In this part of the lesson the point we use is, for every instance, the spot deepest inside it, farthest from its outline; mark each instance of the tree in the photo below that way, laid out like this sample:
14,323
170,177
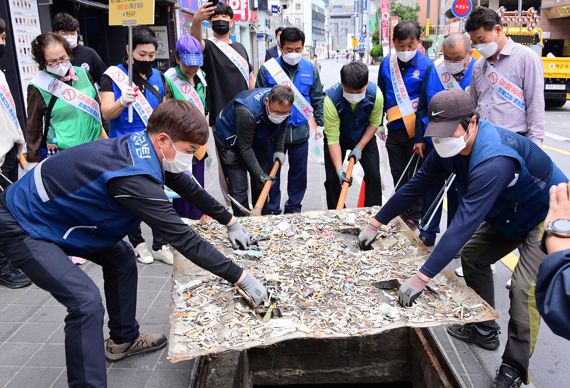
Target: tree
404,12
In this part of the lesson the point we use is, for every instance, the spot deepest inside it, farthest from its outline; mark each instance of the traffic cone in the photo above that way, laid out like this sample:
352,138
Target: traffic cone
362,194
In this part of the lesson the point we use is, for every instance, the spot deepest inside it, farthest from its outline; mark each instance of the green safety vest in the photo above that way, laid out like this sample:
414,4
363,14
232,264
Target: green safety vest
70,126
177,94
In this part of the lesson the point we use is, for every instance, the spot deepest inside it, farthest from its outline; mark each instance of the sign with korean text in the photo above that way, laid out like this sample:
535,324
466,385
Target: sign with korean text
461,8
131,12
385,23
241,9
276,9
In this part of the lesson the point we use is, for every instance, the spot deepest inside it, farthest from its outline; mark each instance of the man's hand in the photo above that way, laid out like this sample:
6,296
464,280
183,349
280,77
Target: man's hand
280,156
342,177
559,207
204,12
264,178
412,288
419,148
368,235
356,153
239,236
253,288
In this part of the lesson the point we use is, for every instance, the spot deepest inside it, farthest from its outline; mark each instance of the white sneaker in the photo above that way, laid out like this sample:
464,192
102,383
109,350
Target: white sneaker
509,283
493,268
143,254
459,271
164,254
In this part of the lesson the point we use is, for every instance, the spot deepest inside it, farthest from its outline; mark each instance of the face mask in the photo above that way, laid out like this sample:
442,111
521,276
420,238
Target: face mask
455,67
448,147
181,162
406,56
221,27
60,69
487,50
275,118
292,58
2,50
142,67
71,40
353,98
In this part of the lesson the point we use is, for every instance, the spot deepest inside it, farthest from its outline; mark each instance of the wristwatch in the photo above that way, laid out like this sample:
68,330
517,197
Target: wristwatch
559,227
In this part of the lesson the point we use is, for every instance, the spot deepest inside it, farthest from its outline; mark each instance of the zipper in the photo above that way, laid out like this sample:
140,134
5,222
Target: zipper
66,235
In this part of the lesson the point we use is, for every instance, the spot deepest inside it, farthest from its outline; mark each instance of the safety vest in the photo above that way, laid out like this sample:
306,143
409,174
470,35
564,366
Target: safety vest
120,126
413,79
56,203
265,132
524,204
177,93
352,123
70,126
304,80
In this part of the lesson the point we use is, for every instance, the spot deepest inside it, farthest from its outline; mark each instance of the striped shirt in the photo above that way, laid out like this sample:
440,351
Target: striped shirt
521,66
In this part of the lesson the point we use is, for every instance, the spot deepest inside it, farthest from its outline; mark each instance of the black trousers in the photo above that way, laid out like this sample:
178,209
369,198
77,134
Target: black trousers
370,162
400,147
10,171
136,238
49,267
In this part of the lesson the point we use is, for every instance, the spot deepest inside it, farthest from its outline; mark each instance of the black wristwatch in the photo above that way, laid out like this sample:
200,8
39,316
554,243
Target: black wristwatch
559,227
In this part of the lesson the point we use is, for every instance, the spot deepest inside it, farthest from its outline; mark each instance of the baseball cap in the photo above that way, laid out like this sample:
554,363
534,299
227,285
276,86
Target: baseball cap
189,50
446,110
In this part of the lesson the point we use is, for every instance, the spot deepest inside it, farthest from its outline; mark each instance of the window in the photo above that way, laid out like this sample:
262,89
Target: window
298,6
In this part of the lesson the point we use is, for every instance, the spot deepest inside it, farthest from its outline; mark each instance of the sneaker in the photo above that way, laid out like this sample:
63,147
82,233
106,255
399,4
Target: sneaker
77,260
145,343
12,277
428,242
470,334
164,254
507,377
143,254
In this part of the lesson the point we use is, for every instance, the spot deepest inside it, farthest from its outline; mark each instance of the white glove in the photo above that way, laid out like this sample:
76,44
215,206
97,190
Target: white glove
128,95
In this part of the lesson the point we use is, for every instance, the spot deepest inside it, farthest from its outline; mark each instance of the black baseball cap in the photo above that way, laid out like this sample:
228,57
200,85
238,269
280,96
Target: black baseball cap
446,110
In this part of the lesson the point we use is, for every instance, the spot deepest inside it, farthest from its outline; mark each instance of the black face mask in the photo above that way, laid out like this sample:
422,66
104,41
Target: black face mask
142,67
221,27
2,50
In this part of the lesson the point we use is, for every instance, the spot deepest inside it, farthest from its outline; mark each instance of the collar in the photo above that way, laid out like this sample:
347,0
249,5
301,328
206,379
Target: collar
508,49
180,74
288,66
413,61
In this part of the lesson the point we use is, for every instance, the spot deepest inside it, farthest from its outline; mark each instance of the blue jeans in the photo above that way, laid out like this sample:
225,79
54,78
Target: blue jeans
296,179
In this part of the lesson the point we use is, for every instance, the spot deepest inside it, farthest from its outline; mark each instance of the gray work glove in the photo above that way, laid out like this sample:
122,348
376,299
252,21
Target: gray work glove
357,153
253,288
367,236
264,177
342,177
410,290
280,156
239,236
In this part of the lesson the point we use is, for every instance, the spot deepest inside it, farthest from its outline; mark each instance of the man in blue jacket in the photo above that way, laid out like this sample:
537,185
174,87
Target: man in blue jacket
83,202
505,179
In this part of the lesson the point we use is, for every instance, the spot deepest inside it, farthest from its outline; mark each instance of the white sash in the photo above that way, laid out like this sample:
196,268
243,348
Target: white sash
185,88
446,78
505,88
7,102
400,92
281,78
141,104
68,94
233,56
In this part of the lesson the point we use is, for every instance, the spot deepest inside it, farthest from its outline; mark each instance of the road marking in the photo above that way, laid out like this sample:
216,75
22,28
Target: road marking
556,149
556,137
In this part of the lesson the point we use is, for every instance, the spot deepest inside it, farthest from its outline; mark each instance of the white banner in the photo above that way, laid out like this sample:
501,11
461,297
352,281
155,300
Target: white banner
7,102
505,88
186,88
447,79
141,104
400,91
233,56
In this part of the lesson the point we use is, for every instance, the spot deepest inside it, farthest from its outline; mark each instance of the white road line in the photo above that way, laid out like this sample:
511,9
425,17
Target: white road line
554,136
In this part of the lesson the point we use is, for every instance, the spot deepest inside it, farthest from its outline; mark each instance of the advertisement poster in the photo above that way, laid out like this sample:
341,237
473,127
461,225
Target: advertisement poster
241,9
26,26
385,25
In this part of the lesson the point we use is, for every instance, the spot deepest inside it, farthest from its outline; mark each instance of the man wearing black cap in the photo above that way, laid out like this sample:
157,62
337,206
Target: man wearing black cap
505,179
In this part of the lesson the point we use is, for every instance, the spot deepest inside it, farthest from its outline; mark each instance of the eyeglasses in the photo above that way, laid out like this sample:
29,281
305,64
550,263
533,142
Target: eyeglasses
54,62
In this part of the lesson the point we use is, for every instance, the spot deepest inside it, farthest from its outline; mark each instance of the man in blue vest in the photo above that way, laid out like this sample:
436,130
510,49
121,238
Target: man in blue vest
353,112
452,71
83,202
304,76
400,78
252,123
505,179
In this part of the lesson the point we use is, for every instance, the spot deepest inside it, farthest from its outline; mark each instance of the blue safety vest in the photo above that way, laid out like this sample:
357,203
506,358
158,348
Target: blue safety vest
524,204
65,199
120,126
304,79
254,101
352,124
413,79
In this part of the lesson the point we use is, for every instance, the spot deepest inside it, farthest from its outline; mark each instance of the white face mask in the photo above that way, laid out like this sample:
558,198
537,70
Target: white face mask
292,58
406,56
181,162
487,50
275,118
448,147
60,69
455,67
353,98
71,40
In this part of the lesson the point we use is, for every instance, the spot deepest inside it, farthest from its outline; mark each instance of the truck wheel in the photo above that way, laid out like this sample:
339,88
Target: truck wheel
558,103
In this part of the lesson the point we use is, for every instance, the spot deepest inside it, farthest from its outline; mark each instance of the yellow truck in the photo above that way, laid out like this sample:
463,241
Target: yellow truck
556,80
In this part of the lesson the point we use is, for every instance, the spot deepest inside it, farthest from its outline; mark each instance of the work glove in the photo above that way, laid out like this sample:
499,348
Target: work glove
280,156
410,290
128,95
264,177
342,177
367,236
357,153
253,288
239,236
